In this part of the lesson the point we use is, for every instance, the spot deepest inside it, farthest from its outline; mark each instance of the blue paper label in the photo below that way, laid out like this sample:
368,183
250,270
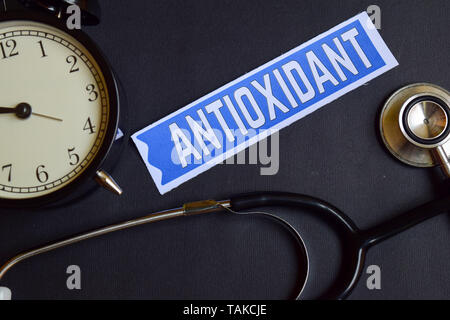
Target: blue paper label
226,121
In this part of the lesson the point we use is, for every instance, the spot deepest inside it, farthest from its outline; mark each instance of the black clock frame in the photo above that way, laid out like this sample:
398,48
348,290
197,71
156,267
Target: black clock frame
80,185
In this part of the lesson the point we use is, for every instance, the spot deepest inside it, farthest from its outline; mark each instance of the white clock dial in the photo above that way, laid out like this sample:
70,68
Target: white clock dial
47,71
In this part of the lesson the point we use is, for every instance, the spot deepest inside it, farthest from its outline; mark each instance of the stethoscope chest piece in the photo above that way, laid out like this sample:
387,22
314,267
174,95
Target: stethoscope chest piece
415,127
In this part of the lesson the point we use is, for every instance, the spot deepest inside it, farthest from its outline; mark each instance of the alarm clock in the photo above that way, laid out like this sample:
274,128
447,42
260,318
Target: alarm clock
59,108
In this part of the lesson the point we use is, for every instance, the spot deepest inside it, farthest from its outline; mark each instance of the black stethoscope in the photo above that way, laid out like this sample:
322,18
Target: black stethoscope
415,127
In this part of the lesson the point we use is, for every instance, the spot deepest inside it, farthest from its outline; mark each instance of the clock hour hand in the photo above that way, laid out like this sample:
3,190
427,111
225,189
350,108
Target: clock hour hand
4,110
24,111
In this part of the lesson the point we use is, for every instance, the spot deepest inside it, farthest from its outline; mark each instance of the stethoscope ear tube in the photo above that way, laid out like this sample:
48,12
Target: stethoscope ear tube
327,211
302,251
344,226
355,242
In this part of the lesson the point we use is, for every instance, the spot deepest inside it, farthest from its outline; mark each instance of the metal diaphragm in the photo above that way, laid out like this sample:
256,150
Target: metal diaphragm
414,121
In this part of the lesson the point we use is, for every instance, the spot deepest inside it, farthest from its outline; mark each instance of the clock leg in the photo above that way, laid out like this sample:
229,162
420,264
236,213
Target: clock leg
107,182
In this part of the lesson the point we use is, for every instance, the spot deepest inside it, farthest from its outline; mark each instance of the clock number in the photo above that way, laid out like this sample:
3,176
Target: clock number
74,158
73,60
10,44
89,127
42,49
93,94
8,166
41,175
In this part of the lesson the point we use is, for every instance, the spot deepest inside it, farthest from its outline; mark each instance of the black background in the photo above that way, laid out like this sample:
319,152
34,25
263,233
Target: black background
169,53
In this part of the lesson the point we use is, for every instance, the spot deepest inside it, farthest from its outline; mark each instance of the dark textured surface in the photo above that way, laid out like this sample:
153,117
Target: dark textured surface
169,53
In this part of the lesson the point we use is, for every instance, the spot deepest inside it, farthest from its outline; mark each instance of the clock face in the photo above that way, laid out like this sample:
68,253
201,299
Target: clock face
54,109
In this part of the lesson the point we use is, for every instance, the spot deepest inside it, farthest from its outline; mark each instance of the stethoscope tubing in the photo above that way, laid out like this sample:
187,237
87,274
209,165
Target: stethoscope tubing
356,242
200,207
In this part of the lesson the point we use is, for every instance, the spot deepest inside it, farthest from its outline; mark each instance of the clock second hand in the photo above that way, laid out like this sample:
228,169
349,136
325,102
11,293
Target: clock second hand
45,116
